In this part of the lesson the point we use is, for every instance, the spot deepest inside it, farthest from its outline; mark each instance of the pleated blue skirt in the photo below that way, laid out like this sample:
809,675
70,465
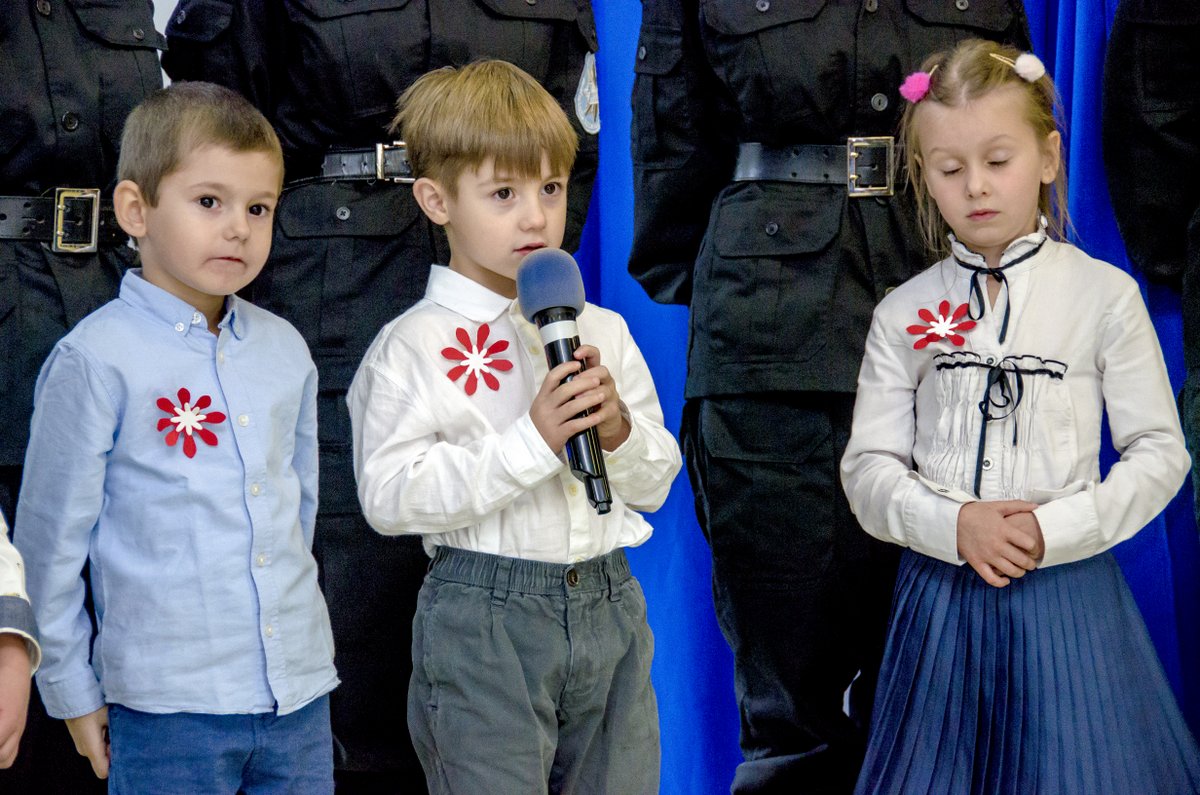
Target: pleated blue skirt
1049,685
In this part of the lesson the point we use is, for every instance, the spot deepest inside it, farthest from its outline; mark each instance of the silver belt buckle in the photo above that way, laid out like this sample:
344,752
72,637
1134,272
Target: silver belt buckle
853,147
380,150
58,243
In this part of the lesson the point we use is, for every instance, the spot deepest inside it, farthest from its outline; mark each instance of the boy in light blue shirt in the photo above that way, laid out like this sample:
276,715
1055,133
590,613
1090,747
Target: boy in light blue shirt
173,447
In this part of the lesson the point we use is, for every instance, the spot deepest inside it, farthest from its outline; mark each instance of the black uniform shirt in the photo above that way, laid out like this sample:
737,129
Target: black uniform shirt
782,289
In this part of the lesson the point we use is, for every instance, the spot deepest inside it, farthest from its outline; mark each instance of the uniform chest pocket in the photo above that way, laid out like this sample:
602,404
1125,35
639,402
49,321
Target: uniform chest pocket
355,57
547,38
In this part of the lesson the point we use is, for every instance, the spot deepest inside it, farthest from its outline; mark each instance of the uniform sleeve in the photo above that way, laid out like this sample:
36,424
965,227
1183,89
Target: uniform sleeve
412,481
1145,431
643,468
890,500
1151,135
16,615
682,145
72,432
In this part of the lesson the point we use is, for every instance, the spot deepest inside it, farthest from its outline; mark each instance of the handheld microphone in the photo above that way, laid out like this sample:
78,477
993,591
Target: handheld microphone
550,290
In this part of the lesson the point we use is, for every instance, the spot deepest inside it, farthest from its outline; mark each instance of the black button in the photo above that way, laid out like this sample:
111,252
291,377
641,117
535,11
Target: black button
70,122
763,5
879,102
872,6
642,53
139,34
43,7
182,15
342,213
962,5
771,228
572,577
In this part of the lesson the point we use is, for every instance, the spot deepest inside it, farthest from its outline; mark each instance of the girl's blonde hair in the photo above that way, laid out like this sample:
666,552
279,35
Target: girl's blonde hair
958,76
453,119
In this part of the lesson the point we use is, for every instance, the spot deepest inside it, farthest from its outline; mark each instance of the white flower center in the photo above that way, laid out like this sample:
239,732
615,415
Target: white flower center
943,326
478,361
187,419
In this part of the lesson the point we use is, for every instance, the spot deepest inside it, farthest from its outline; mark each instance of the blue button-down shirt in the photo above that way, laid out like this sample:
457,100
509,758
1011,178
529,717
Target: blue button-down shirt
183,466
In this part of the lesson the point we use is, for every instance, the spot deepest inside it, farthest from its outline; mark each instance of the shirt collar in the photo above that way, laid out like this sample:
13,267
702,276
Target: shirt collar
181,316
465,296
1016,249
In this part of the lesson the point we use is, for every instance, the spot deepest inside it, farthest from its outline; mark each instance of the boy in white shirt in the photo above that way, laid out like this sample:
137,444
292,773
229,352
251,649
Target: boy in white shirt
531,649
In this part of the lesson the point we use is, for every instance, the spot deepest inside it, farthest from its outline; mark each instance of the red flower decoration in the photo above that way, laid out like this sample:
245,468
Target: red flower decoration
187,420
476,359
943,325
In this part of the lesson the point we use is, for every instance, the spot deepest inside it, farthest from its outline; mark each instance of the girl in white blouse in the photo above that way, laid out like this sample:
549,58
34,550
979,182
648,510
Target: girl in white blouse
976,441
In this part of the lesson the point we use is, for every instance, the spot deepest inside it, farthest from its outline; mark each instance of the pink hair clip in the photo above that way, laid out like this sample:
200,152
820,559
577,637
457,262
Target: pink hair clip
916,86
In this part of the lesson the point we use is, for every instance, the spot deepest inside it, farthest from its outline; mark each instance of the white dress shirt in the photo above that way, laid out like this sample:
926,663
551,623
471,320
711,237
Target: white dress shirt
444,445
16,616
1079,341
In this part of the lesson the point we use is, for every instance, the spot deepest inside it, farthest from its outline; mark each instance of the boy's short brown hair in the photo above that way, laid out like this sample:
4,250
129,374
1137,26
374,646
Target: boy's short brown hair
181,118
453,119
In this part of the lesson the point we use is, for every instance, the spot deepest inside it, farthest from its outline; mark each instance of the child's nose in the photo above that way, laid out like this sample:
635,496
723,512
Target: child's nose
238,226
535,216
977,184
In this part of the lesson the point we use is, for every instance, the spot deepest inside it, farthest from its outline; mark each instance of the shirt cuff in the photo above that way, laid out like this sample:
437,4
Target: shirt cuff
16,617
930,516
634,446
72,696
1070,528
531,460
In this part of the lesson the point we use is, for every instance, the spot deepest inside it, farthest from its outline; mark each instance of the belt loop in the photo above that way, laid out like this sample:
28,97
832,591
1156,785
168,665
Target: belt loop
500,585
614,594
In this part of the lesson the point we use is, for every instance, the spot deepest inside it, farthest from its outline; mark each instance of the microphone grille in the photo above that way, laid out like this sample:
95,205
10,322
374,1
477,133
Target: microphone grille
546,278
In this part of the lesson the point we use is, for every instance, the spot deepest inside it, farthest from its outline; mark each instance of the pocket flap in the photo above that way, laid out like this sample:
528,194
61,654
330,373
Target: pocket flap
993,15
765,220
331,9
743,16
200,20
659,49
344,209
119,24
563,10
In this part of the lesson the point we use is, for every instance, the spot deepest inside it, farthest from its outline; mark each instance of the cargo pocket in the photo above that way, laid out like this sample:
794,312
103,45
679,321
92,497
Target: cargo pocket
765,276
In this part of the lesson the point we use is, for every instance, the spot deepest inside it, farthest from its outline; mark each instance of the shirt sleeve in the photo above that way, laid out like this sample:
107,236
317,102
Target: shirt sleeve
72,431
16,615
891,502
682,144
410,480
1144,425
305,457
643,468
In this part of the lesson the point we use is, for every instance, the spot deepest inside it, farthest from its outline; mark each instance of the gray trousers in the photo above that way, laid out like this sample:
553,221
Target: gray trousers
533,677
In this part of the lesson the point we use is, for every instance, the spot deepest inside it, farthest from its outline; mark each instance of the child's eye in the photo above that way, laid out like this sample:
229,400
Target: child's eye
949,172
552,188
207,202
997,162
260,209
504,194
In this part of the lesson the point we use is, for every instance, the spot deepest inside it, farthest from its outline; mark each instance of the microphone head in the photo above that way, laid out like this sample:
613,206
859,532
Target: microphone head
547,278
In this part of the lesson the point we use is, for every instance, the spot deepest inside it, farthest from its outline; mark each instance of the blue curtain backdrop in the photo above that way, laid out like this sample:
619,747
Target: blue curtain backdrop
693,669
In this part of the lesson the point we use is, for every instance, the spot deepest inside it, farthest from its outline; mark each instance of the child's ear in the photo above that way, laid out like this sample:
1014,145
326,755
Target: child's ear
431,198
1051,157
130,207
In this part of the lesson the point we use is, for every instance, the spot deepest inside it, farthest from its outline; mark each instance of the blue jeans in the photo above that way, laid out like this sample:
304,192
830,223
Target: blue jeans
189,753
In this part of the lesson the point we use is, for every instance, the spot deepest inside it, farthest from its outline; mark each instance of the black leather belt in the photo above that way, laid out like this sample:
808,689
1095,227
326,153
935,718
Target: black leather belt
866,166
72,221
387,162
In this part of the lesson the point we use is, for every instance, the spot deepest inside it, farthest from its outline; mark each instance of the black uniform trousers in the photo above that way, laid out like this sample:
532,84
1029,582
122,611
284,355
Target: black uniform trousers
801,591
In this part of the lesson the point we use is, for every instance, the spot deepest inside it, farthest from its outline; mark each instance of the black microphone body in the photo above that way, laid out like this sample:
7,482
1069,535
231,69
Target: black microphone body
550,290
